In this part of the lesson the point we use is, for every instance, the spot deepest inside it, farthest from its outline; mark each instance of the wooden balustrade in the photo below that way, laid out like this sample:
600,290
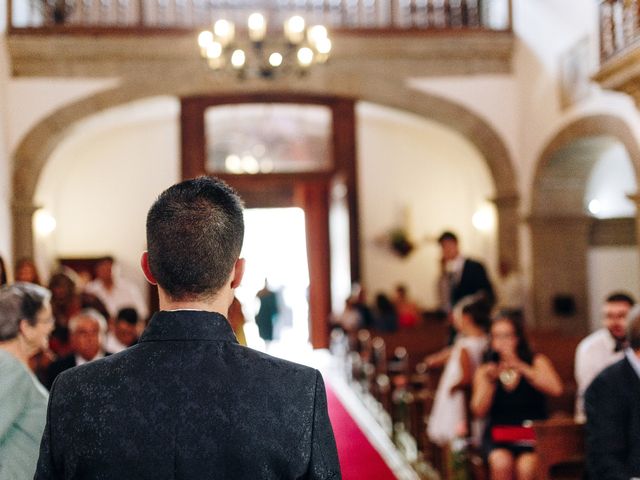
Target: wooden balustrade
139,15
619,26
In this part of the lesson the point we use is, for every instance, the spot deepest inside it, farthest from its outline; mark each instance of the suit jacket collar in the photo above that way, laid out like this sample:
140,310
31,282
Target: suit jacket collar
188,325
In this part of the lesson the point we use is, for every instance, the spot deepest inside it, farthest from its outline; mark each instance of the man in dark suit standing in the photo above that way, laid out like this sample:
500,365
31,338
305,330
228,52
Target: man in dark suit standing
188,402
612,404
461,276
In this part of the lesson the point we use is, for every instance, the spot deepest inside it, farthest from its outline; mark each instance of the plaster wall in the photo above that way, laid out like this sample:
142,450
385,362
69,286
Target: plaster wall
32,99
5,177
114,167
416,174
611,269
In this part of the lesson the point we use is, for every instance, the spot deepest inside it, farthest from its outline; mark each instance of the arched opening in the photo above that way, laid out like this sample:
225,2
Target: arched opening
583,225
163,142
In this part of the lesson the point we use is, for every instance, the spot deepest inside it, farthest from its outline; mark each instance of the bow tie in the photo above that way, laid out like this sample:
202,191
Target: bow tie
620,345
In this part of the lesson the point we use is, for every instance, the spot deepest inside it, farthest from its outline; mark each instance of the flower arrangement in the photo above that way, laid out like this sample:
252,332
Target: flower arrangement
400,243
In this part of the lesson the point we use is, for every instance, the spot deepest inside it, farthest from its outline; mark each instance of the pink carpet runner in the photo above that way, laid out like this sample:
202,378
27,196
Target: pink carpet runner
358,459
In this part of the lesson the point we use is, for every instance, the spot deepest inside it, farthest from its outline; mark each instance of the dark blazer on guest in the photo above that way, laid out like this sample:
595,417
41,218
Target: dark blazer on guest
188,402
612,405
472,280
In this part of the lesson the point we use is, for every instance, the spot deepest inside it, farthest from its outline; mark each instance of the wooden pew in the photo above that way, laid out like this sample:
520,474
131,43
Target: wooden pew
560,443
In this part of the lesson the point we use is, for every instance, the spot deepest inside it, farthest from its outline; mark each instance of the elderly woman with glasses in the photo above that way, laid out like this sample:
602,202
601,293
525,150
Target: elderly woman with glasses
25,325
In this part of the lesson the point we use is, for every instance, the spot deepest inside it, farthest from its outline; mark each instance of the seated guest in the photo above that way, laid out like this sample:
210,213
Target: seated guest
86,330
612,403
26,271
124,332
65,303
603,347
408,314
25,325
114,291
385,318
509,389
448,417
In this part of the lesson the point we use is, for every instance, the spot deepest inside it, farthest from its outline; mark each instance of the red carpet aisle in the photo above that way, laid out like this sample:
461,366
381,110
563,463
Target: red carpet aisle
358,459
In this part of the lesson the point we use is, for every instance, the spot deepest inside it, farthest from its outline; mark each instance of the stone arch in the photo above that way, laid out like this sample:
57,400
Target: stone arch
37,146
560,228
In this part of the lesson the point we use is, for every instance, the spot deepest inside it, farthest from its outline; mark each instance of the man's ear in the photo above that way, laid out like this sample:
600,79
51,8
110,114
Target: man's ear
238,272
144,263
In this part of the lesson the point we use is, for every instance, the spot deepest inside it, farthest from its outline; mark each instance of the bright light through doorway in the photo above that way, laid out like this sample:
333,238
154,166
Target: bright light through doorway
275,248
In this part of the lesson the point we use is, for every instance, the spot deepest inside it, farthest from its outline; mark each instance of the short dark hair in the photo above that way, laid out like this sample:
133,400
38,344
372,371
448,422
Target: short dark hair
447,235
128,315
20,301
621,297
195,231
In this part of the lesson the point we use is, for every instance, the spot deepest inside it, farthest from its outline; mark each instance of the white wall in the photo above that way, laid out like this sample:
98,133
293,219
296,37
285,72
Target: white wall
611,269
5,170
411,167
30,100
100,183
610,181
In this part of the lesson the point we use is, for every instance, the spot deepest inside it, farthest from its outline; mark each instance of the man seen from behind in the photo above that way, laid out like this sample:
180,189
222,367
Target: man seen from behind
187,401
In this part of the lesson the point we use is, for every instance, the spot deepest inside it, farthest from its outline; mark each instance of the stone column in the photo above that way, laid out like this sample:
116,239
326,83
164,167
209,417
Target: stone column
560,245
635,198
508,220
22,228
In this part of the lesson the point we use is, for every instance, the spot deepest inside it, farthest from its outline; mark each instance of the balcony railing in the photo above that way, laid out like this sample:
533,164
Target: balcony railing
77,16
619,27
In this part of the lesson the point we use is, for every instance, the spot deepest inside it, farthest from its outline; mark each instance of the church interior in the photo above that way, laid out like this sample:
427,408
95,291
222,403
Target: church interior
513,123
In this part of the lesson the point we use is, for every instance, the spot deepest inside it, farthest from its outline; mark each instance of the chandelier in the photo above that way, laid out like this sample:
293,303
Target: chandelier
262,52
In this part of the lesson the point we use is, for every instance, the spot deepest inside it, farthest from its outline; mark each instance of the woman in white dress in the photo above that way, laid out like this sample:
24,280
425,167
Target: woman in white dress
448,418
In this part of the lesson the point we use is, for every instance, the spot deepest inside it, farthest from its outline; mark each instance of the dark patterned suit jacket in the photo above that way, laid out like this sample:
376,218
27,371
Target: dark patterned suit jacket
188,402
612,404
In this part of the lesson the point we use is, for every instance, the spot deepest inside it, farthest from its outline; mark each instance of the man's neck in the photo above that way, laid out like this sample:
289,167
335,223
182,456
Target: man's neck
217,304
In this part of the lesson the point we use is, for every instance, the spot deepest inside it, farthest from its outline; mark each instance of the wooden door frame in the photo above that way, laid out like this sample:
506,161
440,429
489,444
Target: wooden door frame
311,190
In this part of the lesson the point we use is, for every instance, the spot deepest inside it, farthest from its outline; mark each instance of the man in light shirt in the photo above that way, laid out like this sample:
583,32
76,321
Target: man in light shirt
603,347
114,291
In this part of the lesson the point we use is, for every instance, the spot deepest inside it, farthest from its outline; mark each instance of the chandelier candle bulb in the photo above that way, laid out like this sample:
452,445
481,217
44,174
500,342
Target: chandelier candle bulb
275,59
237,59
257,27
305,57
294,29
214,50
224,31
316,34
205,38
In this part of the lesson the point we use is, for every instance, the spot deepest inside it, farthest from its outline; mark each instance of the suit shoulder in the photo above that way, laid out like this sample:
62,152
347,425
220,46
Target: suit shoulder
611,375
275,362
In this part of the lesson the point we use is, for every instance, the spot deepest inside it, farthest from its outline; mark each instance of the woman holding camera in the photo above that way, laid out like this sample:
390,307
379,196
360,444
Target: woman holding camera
509,389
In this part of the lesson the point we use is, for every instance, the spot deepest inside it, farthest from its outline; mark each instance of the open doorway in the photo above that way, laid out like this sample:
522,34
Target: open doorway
275,249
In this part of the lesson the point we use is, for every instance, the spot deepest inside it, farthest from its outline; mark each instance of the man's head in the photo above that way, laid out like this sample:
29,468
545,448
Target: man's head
449,244
615,311
87,329
125,328
104,269
194,237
